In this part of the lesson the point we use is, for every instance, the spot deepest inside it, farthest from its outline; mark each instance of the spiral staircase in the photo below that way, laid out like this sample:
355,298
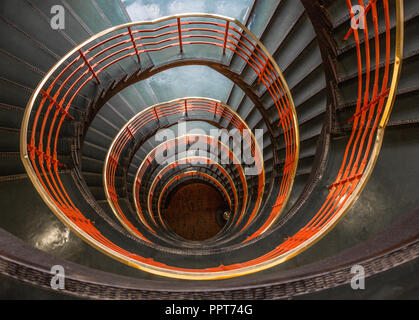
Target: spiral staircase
336,178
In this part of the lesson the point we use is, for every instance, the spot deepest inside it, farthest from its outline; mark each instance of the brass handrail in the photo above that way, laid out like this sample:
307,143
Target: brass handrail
260,264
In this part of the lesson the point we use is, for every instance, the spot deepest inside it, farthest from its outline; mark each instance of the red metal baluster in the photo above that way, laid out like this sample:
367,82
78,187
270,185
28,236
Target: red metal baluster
186,108
56,104
225,37
263,70
179,28
135,45
89,66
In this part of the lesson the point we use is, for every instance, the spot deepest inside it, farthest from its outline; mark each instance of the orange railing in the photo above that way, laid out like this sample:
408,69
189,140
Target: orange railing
50,104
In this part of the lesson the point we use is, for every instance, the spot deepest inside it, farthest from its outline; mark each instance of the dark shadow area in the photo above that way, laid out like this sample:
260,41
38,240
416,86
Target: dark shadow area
191,211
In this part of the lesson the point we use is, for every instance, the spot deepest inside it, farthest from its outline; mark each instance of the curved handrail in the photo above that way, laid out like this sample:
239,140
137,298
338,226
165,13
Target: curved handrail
349,183
68,73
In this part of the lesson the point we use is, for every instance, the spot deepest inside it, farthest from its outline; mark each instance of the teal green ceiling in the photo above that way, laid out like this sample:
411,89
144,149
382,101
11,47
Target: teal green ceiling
152,9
